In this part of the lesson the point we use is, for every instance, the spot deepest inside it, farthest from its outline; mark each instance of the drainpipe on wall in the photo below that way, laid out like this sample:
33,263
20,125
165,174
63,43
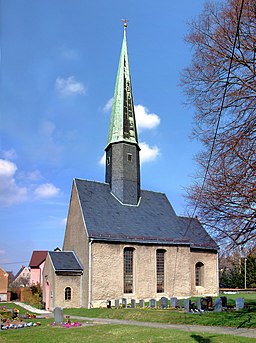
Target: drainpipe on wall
90,275
81,290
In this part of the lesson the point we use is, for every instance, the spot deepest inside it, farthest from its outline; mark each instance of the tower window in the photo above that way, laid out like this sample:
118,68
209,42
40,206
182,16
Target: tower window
129,157
199,273
108,160
128,270
67,293
160,270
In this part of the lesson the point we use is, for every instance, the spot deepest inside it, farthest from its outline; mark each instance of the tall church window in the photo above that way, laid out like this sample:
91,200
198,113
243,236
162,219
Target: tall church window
199,273
128,270
67,293
160,270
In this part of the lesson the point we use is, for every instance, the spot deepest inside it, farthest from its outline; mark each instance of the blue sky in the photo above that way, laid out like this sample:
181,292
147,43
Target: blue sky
59,64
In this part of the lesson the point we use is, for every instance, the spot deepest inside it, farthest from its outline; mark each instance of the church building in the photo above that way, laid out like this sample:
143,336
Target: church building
128,242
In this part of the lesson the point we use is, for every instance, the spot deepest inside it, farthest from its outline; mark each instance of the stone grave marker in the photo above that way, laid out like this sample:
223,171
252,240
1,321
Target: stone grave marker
187,303
133,303
173,302
199,304
124,303
141,303
239,303
179,304
152,303
224,301
58,315
164,302
117,303
217,305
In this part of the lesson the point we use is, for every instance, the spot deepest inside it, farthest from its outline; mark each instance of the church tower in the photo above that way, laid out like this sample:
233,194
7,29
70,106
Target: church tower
122,151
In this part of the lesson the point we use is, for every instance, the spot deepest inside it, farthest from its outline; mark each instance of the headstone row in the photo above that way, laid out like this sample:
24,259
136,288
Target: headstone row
203,304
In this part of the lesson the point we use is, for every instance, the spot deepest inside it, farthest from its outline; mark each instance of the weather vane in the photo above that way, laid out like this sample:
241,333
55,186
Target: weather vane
125,21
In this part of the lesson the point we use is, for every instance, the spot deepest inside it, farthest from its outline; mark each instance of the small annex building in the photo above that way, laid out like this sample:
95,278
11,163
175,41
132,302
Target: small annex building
129,241
62,278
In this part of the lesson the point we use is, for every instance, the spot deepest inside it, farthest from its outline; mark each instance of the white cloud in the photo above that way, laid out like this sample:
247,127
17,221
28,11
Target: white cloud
46,190
145,120
69,86
64,221
108,106
147,153
9,154
102,160
10,192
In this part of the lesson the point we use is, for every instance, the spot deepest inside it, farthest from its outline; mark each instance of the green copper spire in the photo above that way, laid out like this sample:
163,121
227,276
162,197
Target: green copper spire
122,123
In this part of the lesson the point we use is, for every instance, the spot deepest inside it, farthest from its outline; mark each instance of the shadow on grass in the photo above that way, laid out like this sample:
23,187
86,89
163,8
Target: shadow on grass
200,339
247,319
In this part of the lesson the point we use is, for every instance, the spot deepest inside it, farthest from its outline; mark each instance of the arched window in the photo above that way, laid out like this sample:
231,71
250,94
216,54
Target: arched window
128,270
67,293
160,270
199,273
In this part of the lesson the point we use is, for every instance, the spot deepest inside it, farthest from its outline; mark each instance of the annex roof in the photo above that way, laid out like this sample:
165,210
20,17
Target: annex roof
153,220
65,261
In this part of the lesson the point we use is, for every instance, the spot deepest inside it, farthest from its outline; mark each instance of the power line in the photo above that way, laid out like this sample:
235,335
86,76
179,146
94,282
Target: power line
2,263
218,121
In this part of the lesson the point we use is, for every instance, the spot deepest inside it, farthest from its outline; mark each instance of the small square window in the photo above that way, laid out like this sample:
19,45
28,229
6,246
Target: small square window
129,157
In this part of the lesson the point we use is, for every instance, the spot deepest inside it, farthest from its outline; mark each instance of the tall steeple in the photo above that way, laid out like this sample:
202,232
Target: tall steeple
122,151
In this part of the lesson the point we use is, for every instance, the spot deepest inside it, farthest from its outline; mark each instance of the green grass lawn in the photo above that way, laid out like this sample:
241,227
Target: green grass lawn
128,333
112,334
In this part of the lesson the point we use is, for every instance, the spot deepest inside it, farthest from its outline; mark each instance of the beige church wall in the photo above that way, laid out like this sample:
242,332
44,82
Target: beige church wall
107,272
76,240
210,272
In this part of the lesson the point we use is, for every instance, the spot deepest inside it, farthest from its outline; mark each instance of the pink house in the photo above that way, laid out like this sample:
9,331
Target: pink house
36,266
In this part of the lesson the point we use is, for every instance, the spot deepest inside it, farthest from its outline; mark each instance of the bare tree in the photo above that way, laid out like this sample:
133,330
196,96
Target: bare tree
227,203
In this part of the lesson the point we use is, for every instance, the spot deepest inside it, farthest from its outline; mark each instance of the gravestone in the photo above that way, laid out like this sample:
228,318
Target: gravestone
58,315
117,303
209,301
141,303
124,303
239,303
224,301
204,304
173,302
133,303
179,304
187,303
217,305
152,303
164,302
199,304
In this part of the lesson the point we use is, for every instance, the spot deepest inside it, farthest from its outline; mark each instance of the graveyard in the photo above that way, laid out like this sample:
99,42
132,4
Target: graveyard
233,313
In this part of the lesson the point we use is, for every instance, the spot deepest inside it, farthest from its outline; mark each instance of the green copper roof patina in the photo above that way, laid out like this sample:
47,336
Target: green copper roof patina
122,123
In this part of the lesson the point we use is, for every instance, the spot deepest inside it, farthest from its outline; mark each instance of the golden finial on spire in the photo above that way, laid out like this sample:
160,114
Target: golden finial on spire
125,21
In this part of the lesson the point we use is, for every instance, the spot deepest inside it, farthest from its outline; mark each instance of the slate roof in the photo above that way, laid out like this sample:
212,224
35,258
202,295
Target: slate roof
37,258
152,221
65,261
